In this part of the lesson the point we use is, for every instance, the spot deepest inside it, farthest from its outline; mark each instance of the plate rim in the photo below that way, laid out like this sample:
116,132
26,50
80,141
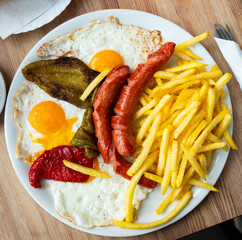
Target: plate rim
185,211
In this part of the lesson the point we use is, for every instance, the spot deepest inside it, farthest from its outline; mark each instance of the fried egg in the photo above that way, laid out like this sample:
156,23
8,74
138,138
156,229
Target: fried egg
97,203
43,122
105,42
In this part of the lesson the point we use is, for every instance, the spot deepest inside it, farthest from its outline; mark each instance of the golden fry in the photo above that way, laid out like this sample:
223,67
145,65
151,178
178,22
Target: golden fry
222,81
86,170
195,164
211,99
168,121
167,172
203,92
164,203
202,184
223,125
148,121
184,56
146,97
174,163
196,132
181,172
208,157
222,94
166,110
184,123
132,185
145,151
187,66
200,140
165,75
192,41
184,113
186,73
94,83
153,177
203,162
229,140
191,54
211,82
163,150
182,97
212,146
186,188
181,204
158,81
147,107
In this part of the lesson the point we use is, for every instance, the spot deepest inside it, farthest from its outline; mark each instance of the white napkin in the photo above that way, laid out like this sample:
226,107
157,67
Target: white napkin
233,56
14,14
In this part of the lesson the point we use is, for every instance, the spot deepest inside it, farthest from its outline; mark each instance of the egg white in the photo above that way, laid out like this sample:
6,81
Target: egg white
97,203
131,42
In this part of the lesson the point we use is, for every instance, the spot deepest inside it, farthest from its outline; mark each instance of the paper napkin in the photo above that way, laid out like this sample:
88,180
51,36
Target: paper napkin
14,14
233,56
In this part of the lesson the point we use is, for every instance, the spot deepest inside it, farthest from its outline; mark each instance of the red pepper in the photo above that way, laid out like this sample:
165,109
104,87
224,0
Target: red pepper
49,165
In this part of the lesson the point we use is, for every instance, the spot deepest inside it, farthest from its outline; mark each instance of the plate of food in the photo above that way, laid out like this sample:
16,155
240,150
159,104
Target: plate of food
111,122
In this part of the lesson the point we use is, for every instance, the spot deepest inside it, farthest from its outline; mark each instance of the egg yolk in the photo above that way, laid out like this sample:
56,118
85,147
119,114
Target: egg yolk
47,117
105,59
61,137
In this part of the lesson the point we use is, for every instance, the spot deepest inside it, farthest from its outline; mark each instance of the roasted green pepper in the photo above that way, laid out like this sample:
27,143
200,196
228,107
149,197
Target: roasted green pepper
85,135
64,78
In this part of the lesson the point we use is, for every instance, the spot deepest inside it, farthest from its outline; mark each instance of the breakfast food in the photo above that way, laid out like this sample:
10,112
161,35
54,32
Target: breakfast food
102,109
129,96
179,119
101,116
63,78
32,104
85,135
54,85
93,42
49,165
96,203
181,133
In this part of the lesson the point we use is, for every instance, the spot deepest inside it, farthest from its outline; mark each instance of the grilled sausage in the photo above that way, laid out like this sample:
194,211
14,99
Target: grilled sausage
102,105
101,117
121,123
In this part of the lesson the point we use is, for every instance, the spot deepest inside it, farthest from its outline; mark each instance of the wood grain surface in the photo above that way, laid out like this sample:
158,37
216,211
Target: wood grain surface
23,218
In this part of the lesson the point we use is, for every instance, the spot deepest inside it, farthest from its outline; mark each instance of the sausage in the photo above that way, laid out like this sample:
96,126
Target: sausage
121,167
101,117
121,123
102,105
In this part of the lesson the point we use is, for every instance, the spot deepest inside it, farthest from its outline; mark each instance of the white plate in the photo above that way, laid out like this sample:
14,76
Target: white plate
46,17
170,32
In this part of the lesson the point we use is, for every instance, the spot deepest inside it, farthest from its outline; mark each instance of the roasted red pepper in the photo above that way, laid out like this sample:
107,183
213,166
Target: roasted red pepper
49,165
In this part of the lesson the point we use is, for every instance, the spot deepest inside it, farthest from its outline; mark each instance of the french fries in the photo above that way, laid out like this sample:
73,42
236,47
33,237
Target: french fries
132,184
183,67
148,143
94,83
86,170
163,150
181,204
192,41
202,184
182,120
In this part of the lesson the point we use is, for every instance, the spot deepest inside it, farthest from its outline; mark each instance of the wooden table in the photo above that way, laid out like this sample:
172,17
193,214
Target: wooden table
23,218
